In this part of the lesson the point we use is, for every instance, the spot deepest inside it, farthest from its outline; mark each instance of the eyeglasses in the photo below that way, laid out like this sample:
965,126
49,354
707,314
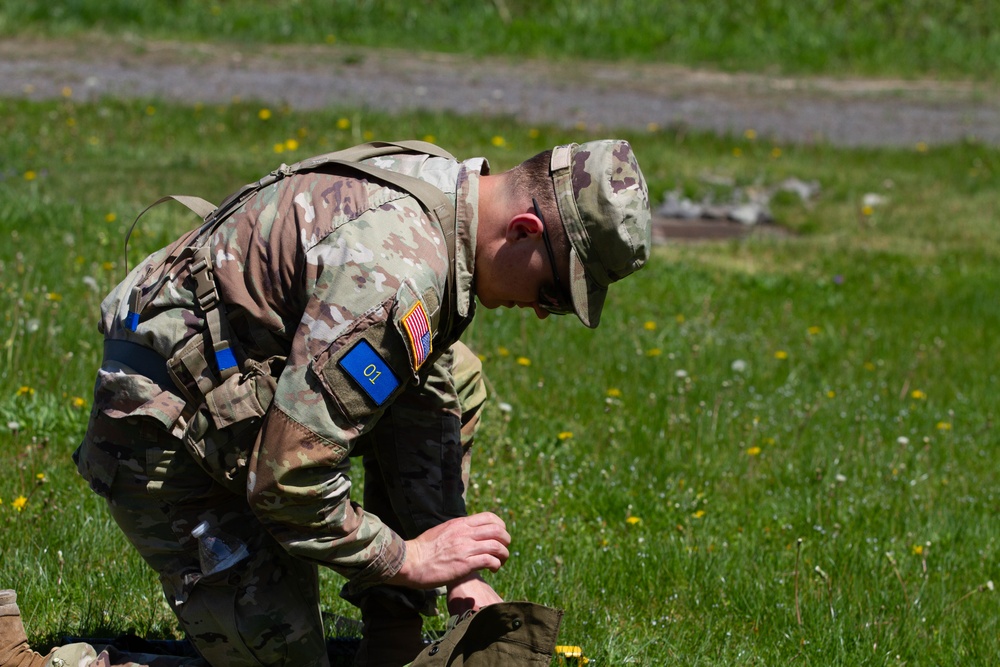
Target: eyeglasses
556,304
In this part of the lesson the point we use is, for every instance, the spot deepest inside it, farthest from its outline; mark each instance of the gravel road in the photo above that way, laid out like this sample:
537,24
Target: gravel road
845,112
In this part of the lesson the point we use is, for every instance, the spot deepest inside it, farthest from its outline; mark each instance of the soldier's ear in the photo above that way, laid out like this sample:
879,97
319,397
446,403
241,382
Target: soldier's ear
523,225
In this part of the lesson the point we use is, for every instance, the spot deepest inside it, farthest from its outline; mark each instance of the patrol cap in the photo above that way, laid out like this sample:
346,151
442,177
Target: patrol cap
604,206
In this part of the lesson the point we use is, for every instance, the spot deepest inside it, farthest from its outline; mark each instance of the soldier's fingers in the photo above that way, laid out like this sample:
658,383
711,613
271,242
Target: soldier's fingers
476,529
493,550
485,562
485,518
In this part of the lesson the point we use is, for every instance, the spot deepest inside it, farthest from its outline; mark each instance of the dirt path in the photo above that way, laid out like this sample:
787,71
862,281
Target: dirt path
843,112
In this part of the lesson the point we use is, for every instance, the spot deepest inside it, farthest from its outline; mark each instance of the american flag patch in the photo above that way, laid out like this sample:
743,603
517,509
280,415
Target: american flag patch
418,328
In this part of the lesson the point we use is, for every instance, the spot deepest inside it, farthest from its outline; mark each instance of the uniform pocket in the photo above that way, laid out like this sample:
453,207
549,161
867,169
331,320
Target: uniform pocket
210,614
222,432
367,367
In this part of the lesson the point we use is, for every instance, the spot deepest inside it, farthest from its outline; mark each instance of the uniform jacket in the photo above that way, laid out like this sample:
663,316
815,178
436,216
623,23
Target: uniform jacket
334,289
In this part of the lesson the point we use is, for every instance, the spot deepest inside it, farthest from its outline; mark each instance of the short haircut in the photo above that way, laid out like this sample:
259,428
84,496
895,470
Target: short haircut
531,179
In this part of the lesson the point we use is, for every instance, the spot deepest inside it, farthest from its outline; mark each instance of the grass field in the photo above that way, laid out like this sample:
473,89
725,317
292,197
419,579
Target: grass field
772,450
880,37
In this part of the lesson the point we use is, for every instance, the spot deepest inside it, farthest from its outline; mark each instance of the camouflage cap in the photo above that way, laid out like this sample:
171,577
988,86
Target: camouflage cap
604,206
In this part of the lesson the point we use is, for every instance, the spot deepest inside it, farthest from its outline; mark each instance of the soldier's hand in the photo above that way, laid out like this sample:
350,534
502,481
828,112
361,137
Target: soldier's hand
470,593
453,550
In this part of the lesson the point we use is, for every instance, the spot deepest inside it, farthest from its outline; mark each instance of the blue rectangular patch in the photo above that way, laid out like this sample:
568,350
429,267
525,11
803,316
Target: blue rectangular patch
225,358
364,365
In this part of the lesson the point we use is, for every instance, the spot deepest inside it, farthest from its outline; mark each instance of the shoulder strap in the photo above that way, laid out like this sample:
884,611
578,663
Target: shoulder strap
435,202
200,206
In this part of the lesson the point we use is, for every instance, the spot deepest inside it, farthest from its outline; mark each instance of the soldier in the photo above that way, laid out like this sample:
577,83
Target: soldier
316,316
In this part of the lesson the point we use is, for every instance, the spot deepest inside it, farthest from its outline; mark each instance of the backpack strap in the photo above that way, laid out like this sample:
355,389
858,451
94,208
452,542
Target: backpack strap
435,202
200,207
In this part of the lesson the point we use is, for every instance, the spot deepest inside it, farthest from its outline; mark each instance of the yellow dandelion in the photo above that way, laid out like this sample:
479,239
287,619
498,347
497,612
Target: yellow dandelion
649,326
30,175
654,352
580,125
565,435
699,514
302,132
737,152
918,395
40,476
71,122
498,141
264,114
867,210
331,39
54,296
633,520
291,145
570,652
775,153
652,128
110,217
77,402
503,352
614,392
430,138
367,135
831,394
25,390
917,549
19,503
533,133
869,366
343,123
93,141
67,91
750,134
150,110
107,266
523,361
780,354
753,451
680,319
216,10
813,330
943,426
279,148
921,147
768,441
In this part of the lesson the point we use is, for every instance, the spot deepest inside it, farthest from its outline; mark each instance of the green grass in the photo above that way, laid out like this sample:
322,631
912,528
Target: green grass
772,450
870,37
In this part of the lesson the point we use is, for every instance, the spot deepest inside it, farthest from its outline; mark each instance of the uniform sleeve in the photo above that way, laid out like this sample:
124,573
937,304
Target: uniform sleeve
372,298
413,460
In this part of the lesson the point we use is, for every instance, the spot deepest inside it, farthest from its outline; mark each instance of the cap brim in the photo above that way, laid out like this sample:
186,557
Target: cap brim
588,296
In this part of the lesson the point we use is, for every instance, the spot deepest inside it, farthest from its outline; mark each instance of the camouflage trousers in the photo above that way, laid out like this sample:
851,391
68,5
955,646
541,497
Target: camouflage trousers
266,609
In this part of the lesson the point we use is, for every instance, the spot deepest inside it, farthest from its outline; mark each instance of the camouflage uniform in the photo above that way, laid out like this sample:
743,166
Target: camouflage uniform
342,311
314,270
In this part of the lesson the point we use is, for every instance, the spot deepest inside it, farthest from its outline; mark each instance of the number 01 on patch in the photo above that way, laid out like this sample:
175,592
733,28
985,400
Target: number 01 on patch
368,369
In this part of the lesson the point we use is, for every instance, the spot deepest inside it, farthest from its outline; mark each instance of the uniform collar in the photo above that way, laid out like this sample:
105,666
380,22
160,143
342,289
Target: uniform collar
466,227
